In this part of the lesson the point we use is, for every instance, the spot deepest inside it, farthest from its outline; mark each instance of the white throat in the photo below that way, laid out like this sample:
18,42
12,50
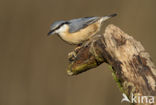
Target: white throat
62,29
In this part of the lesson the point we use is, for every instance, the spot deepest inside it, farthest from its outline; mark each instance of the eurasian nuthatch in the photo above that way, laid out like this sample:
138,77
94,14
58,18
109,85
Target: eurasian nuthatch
76,31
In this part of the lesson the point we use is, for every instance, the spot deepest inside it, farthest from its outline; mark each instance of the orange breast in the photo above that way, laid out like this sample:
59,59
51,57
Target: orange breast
82,35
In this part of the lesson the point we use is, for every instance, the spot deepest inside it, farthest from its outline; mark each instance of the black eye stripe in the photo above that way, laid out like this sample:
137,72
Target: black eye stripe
51,31
60,25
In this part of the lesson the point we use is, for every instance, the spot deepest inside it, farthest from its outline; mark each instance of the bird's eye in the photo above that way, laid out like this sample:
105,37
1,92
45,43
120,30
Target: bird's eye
60,25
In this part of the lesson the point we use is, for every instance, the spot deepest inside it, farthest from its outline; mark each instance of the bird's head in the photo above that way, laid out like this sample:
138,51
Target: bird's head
58,27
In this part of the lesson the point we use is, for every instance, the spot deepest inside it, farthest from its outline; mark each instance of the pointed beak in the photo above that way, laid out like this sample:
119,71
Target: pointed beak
51,32
112,15
109,16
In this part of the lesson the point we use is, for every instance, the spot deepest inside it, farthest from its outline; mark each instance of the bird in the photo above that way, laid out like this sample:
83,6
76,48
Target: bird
76,31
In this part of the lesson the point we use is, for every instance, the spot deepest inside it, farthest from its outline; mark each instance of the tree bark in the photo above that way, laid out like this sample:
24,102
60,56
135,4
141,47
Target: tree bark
131,65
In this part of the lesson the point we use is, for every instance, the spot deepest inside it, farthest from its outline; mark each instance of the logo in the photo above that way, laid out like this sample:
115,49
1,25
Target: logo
138,99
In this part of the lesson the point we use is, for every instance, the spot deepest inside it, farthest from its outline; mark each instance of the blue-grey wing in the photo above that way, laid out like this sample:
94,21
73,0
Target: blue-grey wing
80,23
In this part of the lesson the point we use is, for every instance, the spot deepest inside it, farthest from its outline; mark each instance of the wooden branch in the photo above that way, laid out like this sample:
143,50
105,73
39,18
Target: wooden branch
131,65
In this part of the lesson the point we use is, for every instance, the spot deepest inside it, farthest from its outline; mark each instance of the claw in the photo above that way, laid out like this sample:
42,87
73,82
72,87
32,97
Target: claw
71,56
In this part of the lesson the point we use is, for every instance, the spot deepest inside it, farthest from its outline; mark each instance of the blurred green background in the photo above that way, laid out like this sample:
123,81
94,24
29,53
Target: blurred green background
33,66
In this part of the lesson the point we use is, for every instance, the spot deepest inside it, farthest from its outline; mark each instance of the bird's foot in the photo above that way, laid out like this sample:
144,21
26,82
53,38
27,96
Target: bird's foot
77,48
71,56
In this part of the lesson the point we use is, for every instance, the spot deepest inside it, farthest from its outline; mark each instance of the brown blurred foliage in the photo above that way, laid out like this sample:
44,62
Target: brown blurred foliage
33,66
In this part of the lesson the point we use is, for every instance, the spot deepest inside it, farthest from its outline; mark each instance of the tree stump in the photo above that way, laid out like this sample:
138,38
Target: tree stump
131,65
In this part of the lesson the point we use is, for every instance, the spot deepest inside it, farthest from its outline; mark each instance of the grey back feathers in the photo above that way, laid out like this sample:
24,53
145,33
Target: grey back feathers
74,24
77,24
80,23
